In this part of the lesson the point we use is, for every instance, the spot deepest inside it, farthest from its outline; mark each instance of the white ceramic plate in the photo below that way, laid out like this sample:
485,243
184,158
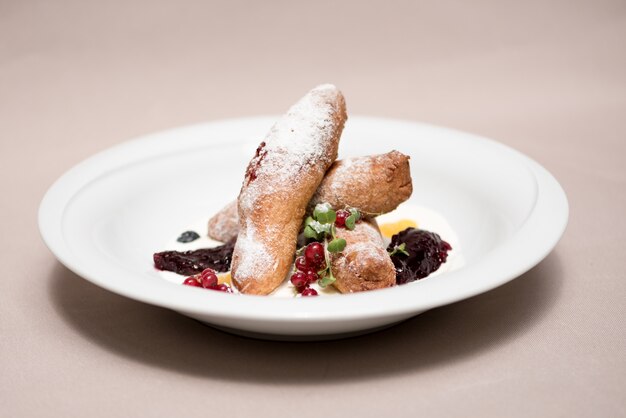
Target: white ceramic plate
105,217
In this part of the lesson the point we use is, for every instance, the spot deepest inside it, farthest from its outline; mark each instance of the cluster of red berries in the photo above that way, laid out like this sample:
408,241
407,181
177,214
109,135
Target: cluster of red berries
307,266
207,280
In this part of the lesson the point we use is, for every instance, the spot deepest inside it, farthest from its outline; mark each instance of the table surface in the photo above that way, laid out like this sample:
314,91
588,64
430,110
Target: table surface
547,78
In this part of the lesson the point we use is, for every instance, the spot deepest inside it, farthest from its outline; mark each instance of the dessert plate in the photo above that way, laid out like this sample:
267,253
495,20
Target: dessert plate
105,217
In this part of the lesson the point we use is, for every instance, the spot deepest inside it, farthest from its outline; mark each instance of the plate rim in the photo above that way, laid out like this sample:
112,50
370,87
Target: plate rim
551,200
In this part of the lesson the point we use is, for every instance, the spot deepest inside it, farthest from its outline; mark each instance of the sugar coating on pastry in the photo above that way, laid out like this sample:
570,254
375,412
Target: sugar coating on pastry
364,264
280,180
299,140
375,184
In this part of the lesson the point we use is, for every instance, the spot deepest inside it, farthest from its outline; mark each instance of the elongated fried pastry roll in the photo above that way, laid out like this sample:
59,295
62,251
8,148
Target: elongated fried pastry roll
374,184
364,263
280,180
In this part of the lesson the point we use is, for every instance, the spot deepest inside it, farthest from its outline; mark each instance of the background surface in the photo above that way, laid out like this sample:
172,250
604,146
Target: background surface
547,78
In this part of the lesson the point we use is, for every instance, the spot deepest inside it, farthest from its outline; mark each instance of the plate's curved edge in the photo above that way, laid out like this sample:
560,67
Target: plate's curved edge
77,179
194,301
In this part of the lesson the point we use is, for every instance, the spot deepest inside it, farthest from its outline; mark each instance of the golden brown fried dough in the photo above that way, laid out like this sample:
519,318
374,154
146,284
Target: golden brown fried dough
279,183
364,263
374,184
224,225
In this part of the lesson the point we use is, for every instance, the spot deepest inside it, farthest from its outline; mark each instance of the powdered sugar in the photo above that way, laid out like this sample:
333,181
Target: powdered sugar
294,144
364,240
371,229
302,144
256,256
366,251
351,171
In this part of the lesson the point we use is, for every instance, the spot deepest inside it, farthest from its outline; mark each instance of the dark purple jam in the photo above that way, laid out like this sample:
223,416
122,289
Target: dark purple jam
191,262
255,163
188,236
426,253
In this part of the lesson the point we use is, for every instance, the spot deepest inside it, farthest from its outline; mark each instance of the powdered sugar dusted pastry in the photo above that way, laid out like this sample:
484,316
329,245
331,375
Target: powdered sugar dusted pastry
374,184
364,263
280,181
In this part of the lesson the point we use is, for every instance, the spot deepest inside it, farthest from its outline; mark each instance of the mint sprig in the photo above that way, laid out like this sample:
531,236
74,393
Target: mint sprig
327,280
336,245
309,231
399,249
315,230
352,219
321,227
324,213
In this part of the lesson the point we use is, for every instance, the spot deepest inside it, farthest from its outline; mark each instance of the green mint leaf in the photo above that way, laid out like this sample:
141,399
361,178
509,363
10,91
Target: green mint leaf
351,221
402,249
321,208
399,249
311,224
307,222
324,213
327,217
311,233
320,228
337,245
355,212
327,280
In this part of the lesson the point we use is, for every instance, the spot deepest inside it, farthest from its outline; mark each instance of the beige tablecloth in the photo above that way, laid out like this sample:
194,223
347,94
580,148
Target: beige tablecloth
547,78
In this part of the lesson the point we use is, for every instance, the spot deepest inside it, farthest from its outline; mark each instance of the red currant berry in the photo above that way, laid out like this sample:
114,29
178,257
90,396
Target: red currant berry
207,271
342,215
309,292
311,277
301,264
314,254
192,281
223,287
208,278
298,279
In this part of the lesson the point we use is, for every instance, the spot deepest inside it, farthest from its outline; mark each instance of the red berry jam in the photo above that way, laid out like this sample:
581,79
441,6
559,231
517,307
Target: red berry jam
427,252
192,262
255,163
